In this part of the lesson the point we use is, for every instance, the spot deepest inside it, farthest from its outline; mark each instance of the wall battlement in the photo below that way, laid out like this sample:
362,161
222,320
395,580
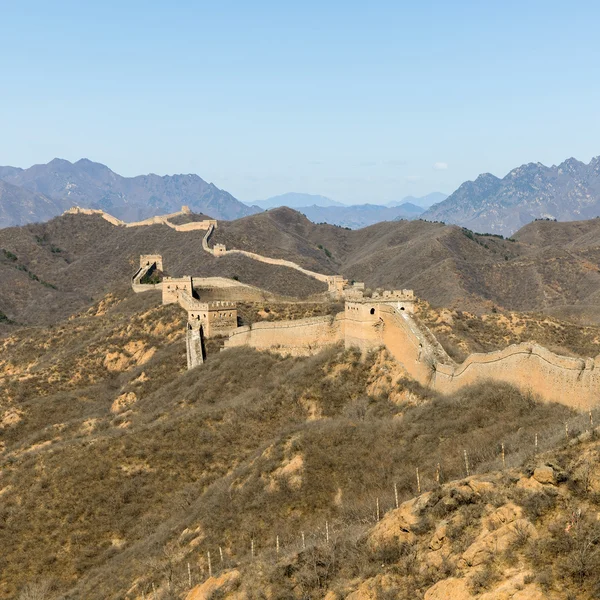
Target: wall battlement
383,320
530,367
157,220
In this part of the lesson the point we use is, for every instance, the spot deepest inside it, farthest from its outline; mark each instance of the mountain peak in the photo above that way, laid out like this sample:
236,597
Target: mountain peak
486,177
570,164
91,184
531,191
59,162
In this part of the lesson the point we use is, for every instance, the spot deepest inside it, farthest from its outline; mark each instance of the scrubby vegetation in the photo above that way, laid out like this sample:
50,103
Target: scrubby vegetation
461,332
119,467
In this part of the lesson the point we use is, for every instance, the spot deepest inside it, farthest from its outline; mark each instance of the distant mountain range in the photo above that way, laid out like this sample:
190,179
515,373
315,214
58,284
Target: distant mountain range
295,200
567,192
422,202
321,209
360,215
44,191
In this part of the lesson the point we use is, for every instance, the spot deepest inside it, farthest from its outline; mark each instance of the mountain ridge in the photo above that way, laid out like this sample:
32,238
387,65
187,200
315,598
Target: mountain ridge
94,185
569,191
550,267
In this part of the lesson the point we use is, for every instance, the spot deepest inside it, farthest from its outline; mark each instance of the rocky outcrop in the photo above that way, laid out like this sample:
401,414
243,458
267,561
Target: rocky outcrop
222,585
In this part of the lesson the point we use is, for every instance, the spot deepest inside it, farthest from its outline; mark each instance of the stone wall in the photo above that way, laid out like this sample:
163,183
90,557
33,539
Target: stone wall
157,220
171,286
217,318
530,367
221,250
147,260
194,346
222,288
297,338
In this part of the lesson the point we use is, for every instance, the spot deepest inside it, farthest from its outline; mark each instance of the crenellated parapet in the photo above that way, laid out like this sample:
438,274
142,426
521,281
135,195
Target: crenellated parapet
156,220
384,319
401,300
172,286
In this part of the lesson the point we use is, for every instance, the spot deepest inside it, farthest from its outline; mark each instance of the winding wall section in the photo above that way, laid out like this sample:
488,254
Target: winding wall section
221,251
530,367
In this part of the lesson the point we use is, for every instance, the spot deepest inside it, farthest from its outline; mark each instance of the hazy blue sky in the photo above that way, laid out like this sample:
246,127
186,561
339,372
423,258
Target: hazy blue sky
360,101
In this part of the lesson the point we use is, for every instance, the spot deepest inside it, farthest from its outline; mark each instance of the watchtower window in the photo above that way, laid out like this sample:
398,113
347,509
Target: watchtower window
372,311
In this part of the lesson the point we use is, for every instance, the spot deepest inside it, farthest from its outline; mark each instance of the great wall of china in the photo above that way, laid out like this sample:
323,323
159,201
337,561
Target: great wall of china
383,320
159,220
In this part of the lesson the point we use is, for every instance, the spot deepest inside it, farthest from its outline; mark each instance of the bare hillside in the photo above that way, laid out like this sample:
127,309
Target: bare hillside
555,271
119,468
55,268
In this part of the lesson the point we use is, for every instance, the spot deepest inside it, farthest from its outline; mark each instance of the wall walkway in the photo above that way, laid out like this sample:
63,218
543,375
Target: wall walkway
530,367
265,259
158,220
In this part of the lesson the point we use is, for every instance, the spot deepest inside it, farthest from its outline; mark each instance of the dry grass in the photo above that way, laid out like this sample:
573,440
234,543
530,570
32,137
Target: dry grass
249,446
462,333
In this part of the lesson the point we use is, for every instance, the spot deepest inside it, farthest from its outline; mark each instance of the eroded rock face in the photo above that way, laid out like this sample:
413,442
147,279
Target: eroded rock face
373,588
123,402
514,588
544,475
449,589
490,543
397,525
223,584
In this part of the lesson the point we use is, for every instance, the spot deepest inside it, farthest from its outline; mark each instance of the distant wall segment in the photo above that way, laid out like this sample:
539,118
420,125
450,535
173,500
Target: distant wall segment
158,220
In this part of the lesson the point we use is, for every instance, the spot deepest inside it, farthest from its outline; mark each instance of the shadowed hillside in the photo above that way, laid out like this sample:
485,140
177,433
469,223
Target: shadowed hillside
446,265
55,268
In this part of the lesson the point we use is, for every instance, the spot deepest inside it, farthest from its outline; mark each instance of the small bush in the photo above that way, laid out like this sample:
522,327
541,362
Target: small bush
9,255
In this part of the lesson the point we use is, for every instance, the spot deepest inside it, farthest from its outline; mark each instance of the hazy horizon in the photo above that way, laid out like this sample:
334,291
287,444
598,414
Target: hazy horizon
356,103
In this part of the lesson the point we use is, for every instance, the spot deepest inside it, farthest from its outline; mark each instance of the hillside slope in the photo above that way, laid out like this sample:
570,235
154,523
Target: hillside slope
446,265
118,467
55,268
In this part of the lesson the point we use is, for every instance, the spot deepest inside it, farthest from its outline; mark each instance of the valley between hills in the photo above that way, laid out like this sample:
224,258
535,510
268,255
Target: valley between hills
259,475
